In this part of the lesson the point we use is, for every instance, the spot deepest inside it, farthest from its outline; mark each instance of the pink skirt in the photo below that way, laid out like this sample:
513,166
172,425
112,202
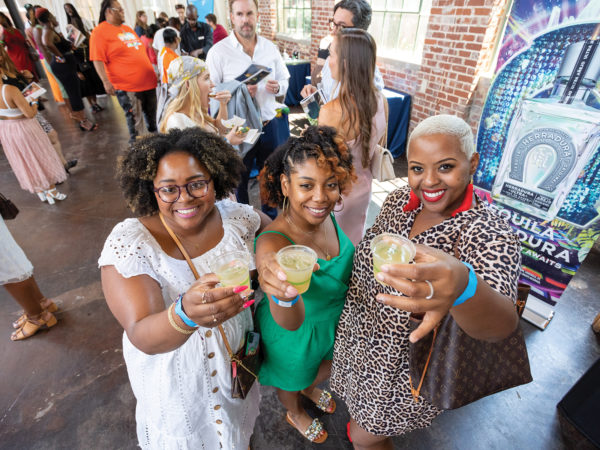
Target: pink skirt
30,154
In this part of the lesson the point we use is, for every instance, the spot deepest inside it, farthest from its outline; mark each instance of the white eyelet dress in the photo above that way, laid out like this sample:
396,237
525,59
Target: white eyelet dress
184,396
14,265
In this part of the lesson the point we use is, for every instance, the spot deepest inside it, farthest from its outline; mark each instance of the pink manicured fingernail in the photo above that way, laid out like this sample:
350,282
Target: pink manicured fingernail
239,289
248,303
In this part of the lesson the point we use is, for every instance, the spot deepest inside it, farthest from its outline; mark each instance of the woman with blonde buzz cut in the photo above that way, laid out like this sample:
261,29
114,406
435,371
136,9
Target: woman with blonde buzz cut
467,264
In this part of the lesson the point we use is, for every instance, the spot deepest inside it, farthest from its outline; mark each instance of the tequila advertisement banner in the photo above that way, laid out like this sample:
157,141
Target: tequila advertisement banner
539,138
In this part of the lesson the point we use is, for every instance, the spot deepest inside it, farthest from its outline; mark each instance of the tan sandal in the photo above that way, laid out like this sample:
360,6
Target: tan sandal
45,320
46,304
326,402
315,432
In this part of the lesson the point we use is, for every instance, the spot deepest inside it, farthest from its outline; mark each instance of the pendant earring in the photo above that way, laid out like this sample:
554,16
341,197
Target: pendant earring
341,199
285,204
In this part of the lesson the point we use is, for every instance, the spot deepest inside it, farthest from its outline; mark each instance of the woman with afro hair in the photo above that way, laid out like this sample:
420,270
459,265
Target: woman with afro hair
177,361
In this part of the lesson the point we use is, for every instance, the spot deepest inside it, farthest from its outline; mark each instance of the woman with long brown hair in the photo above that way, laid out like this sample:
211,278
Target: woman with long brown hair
20,79
59,53
90,82
358,113
141,23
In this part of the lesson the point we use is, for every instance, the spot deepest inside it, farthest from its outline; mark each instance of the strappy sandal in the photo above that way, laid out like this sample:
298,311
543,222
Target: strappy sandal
326,402
46,304
315,432
45,320
87,125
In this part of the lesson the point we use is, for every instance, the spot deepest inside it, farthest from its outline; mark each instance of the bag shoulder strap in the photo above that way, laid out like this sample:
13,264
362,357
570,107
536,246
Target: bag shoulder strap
383,141
194,271
179,246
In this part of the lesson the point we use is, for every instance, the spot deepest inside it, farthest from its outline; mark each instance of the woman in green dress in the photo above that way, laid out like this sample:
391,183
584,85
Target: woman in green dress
305,177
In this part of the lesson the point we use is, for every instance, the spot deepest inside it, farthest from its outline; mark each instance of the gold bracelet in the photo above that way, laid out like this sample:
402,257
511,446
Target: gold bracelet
173,324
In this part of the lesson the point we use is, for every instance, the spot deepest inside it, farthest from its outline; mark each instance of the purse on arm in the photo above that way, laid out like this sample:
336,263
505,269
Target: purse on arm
8,209
453,369
243,367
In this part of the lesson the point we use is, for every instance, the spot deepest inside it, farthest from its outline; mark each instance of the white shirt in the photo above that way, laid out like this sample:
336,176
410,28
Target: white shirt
331,88
227,60
184,396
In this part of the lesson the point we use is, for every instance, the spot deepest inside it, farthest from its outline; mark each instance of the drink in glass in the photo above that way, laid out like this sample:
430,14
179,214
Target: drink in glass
297,261
232,268
388,248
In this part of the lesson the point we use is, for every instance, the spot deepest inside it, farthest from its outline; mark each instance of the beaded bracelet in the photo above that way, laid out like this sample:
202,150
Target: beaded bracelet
469,291
173,324
285,303
181,313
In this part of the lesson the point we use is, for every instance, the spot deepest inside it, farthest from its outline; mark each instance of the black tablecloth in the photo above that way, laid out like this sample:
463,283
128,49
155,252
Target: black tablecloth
398,120
299,70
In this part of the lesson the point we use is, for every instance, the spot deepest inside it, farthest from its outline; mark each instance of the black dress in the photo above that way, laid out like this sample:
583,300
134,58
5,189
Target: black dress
66,72
92,85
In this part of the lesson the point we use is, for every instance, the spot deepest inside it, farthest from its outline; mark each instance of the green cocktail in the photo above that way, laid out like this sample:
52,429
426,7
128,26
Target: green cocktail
388,248
297,261
232,268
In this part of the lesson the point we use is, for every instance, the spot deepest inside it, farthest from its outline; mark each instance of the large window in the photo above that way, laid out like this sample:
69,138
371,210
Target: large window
399,27
294,18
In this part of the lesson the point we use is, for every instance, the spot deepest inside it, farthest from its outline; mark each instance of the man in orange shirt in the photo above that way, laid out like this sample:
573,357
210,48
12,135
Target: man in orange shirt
121,60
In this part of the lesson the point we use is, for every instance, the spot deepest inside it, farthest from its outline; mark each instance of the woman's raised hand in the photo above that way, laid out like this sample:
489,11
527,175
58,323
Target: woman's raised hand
223,97
272,278
209,306
430,286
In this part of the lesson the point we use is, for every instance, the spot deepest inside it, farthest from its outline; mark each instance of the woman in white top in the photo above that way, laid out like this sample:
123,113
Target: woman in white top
176,359
190,89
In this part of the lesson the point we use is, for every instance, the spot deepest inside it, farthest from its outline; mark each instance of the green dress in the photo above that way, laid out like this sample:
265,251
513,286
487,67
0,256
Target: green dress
292,358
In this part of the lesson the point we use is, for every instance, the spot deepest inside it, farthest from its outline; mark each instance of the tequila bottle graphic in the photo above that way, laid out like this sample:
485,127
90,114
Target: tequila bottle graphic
550,140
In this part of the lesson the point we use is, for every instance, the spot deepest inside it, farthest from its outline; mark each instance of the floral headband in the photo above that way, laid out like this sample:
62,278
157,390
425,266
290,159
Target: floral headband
182,69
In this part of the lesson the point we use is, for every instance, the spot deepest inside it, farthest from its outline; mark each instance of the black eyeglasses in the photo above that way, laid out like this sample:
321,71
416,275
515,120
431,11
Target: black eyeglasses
336,26
172,192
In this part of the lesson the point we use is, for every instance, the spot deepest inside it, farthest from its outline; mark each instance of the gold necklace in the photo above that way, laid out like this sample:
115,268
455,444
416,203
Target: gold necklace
309,235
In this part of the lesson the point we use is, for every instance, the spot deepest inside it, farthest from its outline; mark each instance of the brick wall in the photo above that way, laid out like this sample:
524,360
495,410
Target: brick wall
458,47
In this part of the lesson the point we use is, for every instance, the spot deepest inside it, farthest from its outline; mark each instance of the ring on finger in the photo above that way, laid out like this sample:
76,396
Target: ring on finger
202,299
431,291
214,319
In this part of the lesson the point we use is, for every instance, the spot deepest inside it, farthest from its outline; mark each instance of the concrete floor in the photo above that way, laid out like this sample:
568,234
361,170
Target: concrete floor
68,388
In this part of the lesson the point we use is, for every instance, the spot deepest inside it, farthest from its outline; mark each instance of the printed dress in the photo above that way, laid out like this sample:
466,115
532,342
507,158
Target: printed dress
184,396
371,357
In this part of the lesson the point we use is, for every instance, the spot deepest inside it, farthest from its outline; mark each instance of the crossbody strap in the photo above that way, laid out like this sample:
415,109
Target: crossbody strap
194,271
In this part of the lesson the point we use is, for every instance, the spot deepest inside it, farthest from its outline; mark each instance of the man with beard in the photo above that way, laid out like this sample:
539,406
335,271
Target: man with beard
229,59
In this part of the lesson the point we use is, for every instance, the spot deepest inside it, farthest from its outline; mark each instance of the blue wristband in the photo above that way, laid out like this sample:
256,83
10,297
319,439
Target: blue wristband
181,313
285,304
469,291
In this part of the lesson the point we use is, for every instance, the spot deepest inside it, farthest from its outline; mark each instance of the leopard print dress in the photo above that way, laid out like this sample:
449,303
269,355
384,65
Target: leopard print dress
371,354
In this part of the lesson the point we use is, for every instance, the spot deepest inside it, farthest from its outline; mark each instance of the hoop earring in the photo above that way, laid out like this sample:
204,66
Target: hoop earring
285,205
341,199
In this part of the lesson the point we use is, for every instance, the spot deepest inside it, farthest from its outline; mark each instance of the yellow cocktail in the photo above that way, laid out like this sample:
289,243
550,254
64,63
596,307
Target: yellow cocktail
297,261
388,248
233,268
